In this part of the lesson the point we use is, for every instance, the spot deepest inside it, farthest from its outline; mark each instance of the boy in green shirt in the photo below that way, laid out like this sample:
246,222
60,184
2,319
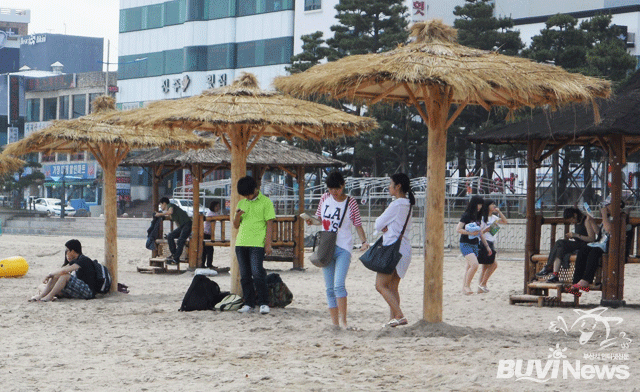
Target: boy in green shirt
254,218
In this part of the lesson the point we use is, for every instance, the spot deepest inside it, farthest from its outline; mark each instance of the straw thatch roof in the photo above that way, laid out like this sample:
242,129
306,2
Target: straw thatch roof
265,153
244,103
477,77
86,132
10,164
619,115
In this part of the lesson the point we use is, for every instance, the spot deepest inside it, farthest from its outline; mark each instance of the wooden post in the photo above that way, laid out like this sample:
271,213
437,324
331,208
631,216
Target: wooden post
438,104
195,244
109,166
238,141
613,266
531,213
299,249
155,200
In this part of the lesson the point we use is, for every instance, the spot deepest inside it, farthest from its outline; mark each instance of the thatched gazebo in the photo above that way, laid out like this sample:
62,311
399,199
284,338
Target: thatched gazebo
241,114
266,154
618,135
110,144
9,164
440,73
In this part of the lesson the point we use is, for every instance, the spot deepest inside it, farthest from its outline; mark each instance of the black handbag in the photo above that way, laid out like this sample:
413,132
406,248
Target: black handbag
324,244
384,259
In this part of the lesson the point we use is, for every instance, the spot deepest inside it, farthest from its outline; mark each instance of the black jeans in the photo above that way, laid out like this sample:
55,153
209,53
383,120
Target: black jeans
587,262
207,253
182,233
561,248
252,272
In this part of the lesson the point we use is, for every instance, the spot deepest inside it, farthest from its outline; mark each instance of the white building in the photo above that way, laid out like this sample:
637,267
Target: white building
172,49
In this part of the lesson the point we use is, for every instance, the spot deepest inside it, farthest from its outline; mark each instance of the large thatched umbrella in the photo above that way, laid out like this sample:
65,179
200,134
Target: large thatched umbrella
10,164
241,114
110,145
266,154
437,71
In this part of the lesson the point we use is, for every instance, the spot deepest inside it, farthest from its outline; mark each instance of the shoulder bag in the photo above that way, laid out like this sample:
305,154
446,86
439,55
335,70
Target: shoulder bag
324,244
384,259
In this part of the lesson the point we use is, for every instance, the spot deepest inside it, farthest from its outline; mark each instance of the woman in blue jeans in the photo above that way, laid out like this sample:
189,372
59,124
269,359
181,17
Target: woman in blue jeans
339,213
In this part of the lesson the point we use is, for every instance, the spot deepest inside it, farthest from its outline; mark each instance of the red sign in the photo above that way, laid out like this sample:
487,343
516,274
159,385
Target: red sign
113,89
418,7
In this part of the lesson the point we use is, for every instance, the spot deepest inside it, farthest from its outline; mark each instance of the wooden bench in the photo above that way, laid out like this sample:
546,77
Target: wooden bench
158,261
284,240
538,289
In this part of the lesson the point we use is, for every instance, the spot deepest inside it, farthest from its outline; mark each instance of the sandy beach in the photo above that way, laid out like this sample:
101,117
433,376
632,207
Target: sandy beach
140,342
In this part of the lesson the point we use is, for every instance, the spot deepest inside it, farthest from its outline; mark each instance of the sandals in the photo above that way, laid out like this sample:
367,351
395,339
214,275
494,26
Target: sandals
396,322
574,290
583,288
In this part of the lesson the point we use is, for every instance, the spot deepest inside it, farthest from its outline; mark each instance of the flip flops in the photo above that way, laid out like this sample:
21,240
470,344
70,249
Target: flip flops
123,288
583,288
396,322
574,290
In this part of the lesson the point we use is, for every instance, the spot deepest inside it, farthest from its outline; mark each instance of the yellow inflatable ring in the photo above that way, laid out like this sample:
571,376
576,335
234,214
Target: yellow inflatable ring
12,267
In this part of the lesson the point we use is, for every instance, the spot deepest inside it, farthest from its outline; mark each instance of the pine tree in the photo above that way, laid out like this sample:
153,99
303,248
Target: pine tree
313,51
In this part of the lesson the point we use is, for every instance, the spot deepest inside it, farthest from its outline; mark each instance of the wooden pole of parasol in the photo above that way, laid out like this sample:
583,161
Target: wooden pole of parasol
109,163
196,242
238,143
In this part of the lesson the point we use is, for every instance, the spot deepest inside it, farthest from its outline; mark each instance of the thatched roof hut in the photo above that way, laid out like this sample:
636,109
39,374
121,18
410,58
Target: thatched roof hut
109,144
9,164
436,71
265,153
619,115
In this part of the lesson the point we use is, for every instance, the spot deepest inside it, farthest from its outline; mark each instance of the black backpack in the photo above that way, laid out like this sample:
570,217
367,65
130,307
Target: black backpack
203,294
103,278
279,294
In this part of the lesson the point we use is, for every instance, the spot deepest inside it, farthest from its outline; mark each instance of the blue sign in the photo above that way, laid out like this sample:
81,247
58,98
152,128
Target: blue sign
83,171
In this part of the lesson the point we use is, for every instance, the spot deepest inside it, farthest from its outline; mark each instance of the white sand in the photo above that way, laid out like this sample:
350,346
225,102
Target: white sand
139,341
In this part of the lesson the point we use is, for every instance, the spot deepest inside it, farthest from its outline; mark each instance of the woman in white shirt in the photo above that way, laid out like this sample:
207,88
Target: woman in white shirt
490,229
390,223
336,207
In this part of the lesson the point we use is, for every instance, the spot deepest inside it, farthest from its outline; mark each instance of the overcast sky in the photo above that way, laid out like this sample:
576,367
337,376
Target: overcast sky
89,18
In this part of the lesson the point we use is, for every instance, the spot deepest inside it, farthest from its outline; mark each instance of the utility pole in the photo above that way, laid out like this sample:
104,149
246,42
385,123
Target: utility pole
106,76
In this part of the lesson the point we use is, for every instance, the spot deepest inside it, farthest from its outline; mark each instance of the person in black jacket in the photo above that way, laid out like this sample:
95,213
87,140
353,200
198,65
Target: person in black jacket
76,279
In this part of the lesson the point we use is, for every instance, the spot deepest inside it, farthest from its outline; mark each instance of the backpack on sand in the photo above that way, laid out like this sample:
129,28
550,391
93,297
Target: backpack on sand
230,302
279,294
203,294
103,278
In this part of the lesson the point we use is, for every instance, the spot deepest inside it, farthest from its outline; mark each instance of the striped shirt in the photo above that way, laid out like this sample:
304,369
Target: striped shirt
330,212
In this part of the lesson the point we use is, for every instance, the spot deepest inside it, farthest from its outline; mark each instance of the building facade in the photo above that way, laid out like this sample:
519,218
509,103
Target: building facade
13,24
178,48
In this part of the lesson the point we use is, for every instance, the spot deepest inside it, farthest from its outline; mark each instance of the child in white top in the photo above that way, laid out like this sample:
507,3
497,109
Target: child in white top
490,229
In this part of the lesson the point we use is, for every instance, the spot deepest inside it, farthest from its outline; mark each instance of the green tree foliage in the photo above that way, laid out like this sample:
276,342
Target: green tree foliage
314,50
17,187
368,27
479,28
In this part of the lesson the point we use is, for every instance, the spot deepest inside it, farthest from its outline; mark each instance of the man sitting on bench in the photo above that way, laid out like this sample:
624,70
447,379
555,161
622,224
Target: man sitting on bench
182,231
585,232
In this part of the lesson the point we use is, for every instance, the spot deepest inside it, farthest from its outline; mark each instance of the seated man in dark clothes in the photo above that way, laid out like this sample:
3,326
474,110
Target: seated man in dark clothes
76,279
181,232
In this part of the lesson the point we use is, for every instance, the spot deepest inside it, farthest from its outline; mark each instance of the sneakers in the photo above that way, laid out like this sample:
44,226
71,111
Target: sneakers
543,272
553,279
245,309
264,309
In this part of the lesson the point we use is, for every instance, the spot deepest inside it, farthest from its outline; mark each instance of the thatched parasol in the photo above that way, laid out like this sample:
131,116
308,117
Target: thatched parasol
10,164
239,113
439,72
109,144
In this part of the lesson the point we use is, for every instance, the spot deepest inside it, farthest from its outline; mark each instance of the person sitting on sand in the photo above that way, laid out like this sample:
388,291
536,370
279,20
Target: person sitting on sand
76,279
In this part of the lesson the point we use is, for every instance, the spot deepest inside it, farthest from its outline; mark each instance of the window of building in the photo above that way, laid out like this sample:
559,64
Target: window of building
79,105
49,106
195,58
310,5
221,57
173,61
218,9
265,52
92,97
78,156
48,157
195,9
131,19
155,16
33,110
246,54
63,112
174,12
62,157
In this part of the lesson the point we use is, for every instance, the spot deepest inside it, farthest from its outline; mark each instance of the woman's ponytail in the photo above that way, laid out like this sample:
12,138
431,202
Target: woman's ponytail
405,184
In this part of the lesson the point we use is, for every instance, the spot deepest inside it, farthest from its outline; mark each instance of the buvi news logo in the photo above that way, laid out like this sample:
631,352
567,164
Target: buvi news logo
589,324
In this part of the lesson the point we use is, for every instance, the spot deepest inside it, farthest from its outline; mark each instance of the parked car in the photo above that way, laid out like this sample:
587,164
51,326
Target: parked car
52,207
186,205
